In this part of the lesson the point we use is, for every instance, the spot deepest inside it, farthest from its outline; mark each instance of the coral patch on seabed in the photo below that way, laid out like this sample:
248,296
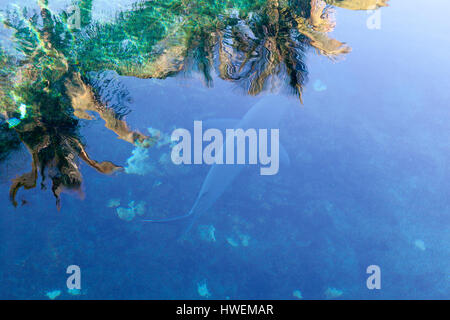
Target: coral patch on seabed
232,242
319,86
420,244
238,239
297,294
113,203
207,233
163,138
202,289
74,292
333,293
52,295
138,163
133,209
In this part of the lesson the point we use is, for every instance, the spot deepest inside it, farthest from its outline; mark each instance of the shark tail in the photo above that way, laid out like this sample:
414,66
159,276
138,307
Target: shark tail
177,218
184,234
192,215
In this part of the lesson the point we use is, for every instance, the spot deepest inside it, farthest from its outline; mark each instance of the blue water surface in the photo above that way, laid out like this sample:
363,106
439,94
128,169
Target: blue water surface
368,184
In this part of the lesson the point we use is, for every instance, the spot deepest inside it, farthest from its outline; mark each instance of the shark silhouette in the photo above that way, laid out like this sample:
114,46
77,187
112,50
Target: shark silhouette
264,114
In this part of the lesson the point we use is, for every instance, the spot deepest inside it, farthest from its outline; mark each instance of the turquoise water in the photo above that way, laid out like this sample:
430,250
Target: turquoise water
367,182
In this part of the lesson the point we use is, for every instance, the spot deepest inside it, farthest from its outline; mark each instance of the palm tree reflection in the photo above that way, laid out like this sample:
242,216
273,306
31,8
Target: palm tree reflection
259,45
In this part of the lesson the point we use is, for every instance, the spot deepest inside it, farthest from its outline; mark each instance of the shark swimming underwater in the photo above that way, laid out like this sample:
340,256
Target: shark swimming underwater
264,114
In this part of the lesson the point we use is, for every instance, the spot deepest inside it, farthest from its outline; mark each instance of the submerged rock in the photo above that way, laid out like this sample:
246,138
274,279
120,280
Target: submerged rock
319,86
232,242
202,289
126,214
420,244
139,208
138,163
52,295
207,233
133,209
333,293
113,203
244,239
74,292
239,239
297,294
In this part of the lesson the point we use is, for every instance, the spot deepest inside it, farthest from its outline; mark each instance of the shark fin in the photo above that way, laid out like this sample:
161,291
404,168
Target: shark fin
177,218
